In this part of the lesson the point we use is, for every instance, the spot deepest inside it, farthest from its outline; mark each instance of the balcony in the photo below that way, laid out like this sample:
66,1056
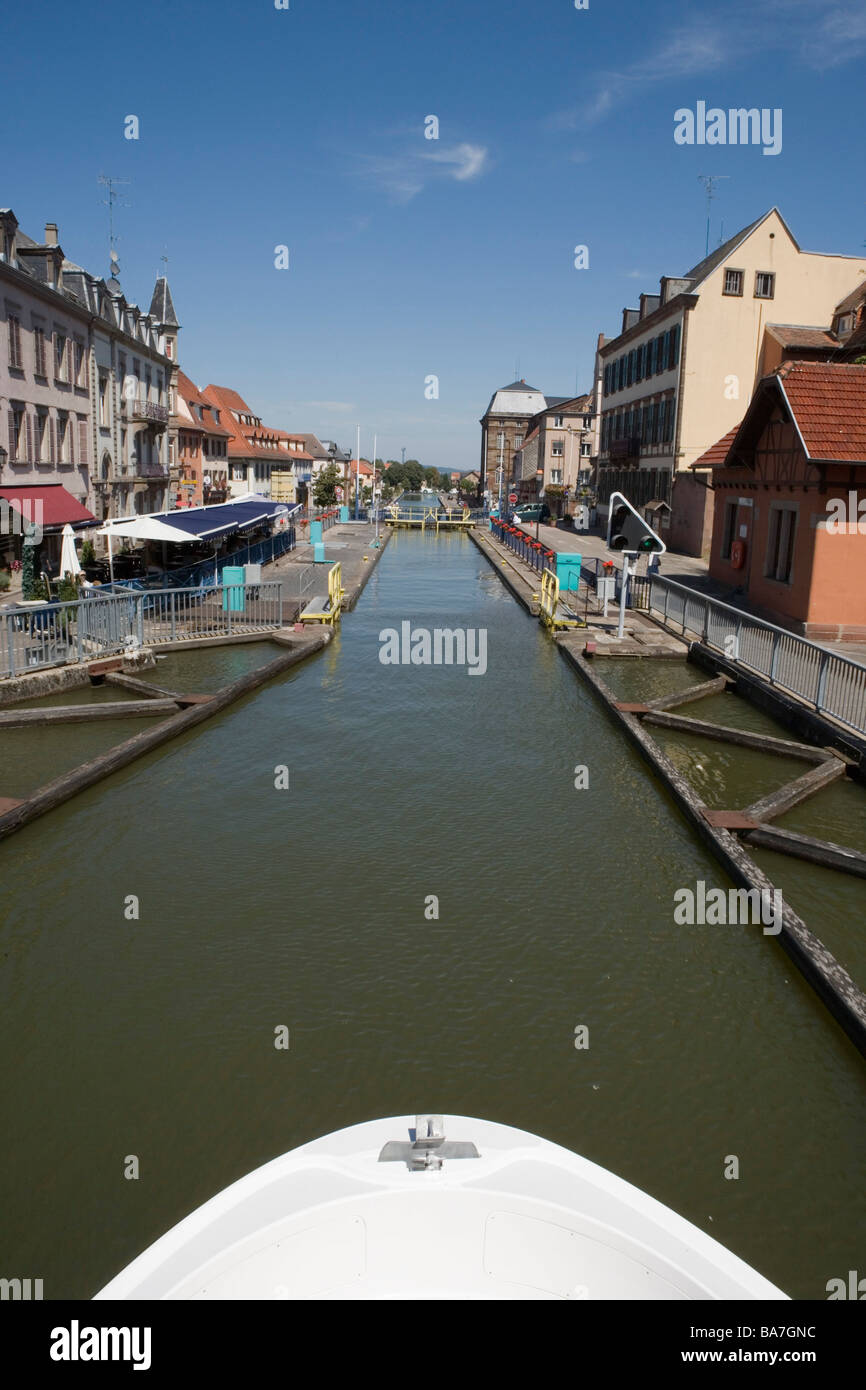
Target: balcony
625,448
148,472
149,413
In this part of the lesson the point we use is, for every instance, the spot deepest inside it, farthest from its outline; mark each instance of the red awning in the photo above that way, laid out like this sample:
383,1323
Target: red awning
49,505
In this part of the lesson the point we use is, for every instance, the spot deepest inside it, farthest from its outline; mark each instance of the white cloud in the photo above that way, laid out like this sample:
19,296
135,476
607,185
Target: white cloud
822,35
406,174
468,161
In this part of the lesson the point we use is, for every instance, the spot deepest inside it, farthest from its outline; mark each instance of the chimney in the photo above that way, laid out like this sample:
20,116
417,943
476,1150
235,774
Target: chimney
50,233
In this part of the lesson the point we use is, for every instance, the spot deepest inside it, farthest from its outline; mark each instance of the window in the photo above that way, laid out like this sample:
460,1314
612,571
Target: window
64,438
729,529
585,450
557,423
845,323
733,283
587,422
780,542
500,440
556,448
43,446
630,369
518,440
80,375
60,363
765,285
16,434
39,351
103,398
556,475
14,324
675,345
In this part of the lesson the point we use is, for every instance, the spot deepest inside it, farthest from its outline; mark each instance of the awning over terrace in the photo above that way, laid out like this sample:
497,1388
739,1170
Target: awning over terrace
49,506
190,524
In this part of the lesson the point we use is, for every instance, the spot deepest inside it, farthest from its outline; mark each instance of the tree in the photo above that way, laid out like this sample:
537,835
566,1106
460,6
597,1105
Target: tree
413,475
325,486
432,477
445,482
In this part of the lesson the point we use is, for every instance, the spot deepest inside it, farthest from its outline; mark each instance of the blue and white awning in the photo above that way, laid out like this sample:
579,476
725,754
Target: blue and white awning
191,524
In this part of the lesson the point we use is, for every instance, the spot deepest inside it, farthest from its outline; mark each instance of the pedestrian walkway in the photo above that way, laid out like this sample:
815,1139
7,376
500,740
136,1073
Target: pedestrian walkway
683,569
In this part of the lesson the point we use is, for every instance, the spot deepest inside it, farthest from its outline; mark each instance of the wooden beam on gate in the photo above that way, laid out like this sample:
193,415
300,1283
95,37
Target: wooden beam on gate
153,692
85,714
777,803
744,737
694,692
69,784
824,852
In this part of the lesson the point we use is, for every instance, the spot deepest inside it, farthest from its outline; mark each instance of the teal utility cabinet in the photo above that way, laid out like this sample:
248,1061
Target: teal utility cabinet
316,532
344,513
568,571
233,577
319,553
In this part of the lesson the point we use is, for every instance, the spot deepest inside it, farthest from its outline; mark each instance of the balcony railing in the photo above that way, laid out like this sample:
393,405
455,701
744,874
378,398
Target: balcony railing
150,412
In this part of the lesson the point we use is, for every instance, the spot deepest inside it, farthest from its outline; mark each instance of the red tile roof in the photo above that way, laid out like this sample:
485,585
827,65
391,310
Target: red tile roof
828,402
189,392
718,452
794,335
240,444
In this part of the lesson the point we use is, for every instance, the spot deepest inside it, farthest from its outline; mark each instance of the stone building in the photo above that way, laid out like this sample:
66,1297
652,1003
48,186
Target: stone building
84,380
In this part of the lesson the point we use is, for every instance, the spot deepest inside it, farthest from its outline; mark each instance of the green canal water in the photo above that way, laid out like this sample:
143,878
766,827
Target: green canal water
305,907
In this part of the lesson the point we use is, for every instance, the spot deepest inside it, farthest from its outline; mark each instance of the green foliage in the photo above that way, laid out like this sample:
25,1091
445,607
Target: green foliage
67,590
325,486
88,554
29,582
5,580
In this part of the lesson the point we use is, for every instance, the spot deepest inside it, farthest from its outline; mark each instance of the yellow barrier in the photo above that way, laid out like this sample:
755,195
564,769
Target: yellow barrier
327,610
552,614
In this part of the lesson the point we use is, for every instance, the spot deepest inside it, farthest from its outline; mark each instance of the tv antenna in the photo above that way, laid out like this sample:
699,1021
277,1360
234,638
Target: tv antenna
109,181
709,181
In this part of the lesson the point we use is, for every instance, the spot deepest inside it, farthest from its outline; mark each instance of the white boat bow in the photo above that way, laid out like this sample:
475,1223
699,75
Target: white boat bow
394,1209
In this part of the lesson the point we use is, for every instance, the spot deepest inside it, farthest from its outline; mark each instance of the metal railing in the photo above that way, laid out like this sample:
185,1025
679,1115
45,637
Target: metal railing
525,547
49,634
832,684
205,572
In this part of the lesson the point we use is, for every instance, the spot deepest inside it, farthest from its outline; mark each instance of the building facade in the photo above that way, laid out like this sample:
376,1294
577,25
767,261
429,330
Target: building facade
789,491
555,459
678,375
202,447
504,427
85,379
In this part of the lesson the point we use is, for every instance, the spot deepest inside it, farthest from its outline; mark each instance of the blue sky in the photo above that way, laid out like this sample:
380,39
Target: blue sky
409,257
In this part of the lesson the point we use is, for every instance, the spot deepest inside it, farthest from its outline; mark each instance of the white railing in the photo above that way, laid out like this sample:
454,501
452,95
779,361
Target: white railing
36,635
830,683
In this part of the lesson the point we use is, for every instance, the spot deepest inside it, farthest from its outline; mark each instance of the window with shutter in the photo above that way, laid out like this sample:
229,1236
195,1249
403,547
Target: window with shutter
13,436
15,342
82,442
52,441
31,454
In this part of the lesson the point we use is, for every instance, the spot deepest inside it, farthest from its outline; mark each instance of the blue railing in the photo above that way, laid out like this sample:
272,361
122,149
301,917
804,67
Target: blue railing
525,547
